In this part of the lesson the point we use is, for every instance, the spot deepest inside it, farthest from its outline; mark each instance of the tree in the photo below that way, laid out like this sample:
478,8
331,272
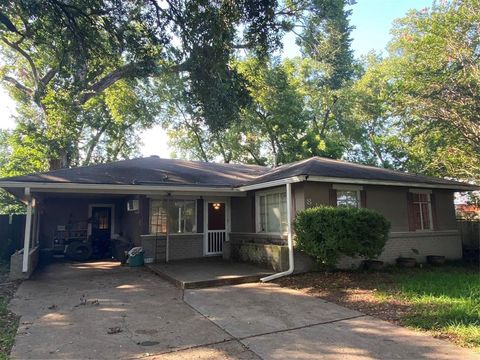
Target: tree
60,56
296,107
327,69
425,93
378,134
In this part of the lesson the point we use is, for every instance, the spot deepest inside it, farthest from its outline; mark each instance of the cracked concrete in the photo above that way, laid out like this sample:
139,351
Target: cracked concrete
62,319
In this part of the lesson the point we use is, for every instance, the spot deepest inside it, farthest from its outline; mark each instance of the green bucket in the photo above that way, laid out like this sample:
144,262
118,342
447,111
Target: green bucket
136,260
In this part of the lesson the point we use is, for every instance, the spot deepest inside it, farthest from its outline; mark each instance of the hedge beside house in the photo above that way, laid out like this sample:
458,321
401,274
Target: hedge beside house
326,233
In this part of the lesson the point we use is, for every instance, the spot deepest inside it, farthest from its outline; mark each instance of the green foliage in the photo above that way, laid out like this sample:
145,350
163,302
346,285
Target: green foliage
292,109
326,233
91,89
417,109
8,329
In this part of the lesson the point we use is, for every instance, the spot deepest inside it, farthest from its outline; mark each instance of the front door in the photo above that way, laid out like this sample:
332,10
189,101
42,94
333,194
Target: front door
216,227
101,229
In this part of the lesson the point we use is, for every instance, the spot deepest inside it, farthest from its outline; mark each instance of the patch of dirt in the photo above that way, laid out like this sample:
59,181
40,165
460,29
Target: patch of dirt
7,289
354,290
8,320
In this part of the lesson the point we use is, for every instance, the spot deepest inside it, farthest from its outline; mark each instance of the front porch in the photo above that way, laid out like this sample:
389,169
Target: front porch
208,272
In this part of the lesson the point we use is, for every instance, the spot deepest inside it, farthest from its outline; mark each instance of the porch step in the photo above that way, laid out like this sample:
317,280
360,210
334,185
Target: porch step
208,280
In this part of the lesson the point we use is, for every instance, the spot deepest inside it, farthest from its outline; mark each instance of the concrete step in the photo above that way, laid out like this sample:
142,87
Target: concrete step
182,281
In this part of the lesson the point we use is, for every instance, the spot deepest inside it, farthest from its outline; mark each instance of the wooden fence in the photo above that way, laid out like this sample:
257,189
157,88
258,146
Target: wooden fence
470,232
12,228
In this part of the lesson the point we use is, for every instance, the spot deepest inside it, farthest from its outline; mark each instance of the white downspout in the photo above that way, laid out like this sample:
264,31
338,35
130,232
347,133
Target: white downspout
167,237
289,237
26,240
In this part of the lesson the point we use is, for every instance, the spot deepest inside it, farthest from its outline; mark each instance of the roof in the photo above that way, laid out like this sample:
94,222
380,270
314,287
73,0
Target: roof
329,168
155,171
151,171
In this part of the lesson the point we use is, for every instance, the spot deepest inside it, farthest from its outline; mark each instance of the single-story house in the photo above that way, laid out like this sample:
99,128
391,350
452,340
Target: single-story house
179,209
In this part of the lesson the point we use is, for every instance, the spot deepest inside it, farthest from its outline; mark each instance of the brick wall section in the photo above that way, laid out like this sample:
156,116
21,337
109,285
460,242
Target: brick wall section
443,243
258,238
446,243
179,246
154,246
185,246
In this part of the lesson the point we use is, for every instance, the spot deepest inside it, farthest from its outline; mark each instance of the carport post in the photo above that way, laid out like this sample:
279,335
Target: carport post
28,231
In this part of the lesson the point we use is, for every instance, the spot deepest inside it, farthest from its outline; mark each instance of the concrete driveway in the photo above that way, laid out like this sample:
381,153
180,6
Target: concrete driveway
104,311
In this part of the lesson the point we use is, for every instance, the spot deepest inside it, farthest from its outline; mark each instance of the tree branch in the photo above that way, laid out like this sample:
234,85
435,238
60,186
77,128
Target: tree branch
26,56
107,81
122,72
27,91
8,24
48,77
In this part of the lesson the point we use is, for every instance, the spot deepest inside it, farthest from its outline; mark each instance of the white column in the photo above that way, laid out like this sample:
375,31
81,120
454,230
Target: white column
37,231
26,240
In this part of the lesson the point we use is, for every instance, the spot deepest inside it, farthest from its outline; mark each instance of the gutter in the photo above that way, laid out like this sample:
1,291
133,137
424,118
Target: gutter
290,180
68,187
339,180
291,262
220,190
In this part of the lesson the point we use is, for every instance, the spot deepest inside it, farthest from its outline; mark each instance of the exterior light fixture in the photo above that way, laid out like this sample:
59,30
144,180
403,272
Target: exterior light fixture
216,206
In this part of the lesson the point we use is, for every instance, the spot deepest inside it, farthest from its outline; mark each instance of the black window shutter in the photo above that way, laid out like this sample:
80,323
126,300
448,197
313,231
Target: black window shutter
333,197
410,212
434,211
200,216
363,198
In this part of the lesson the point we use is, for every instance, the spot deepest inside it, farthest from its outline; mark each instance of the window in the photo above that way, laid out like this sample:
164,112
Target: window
348,198
272,212
422,211
158,217
180,214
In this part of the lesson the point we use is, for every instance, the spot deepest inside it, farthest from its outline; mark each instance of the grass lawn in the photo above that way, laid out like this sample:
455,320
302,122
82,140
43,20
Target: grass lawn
443,300
8,320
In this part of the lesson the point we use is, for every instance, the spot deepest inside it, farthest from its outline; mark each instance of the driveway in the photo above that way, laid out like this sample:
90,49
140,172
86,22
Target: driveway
104,311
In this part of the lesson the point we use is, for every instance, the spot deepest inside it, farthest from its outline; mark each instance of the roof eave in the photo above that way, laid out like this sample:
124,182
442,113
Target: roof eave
116,188
453,186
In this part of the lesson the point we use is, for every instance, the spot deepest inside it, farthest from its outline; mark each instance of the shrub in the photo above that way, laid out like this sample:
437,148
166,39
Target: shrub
326,233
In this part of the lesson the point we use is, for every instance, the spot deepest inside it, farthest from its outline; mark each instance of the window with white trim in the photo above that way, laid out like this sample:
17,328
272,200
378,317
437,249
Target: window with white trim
180,214
422,211
272,212
348,198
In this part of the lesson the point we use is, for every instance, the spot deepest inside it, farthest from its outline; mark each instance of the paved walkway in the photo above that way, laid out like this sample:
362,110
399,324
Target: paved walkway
104,311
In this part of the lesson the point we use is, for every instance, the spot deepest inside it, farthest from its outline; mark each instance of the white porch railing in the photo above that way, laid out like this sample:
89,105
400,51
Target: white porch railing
215,241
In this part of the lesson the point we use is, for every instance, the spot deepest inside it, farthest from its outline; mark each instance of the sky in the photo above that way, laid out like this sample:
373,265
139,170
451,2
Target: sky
372,20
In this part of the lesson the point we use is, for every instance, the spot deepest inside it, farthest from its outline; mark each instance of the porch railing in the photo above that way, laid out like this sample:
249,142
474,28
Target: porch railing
216,238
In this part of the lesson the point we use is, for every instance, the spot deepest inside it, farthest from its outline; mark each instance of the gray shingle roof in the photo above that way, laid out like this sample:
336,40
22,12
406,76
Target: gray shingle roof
325,167
156,171
152,171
